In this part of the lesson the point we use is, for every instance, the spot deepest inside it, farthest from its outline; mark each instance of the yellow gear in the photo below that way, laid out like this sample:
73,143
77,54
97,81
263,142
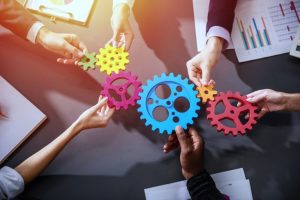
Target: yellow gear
206,93
112,59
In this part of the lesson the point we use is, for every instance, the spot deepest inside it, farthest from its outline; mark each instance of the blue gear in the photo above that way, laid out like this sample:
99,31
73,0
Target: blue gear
149,93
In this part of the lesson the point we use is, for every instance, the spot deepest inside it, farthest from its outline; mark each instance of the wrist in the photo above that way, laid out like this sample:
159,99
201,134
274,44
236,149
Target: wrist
42,35
291,102
215,44
76,127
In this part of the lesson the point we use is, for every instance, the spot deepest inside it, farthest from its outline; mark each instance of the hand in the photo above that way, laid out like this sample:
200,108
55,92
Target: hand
191,156
268,100
122,32
67,45
96,116
200,67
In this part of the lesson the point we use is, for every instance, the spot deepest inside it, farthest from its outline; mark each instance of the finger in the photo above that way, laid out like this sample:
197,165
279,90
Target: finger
192,74
205,76
129,39
261,113
78,46
212,82
169,147
110,112
66,61
71,50
75,41
257,98
182,139
101,102
116,38
196,138
255,93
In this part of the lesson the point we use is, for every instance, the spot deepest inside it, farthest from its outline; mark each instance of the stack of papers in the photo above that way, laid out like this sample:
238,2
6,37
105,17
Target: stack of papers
233,184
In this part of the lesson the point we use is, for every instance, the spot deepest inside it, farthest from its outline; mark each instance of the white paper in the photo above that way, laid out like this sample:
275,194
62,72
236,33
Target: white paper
23,119
295,50
231,183
200,14
77,10
276,25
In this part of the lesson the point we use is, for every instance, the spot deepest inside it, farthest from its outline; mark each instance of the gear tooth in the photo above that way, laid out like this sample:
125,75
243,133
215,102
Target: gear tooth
153,128
171,75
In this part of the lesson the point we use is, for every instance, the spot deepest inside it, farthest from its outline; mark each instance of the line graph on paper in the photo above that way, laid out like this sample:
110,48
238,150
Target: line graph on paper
285,17
264,28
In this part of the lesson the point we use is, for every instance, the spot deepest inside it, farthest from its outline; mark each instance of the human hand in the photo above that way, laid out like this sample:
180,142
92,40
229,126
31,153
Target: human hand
268,100
122,31
200,67
191,145
67,45
97,116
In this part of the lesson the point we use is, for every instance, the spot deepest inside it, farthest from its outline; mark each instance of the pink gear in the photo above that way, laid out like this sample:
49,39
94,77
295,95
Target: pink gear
232,113
122,90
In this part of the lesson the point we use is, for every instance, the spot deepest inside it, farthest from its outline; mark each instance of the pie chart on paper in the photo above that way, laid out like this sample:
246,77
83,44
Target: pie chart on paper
61,2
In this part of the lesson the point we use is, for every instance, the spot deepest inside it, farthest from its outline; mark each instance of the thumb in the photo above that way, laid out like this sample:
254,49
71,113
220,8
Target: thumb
101,102
205,76
182,138
116,38
71,50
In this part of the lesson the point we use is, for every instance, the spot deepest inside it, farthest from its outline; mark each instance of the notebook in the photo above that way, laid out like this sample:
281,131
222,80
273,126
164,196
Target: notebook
23,119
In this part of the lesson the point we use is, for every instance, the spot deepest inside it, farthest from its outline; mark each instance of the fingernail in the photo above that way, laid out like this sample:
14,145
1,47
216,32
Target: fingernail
65,62
179,129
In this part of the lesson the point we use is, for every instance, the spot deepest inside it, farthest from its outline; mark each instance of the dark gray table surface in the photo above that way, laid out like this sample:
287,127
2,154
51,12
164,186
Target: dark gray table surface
118,162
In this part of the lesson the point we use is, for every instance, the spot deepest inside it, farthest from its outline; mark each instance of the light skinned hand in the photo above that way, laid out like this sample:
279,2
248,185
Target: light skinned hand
191,155
200,67
122,31
66,45
97,116
268,100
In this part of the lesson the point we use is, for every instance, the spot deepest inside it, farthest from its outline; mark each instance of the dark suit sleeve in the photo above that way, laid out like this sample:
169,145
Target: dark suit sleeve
202,187
221,13
15,17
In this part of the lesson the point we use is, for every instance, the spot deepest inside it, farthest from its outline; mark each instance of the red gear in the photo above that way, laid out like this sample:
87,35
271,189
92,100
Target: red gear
232,113
122,90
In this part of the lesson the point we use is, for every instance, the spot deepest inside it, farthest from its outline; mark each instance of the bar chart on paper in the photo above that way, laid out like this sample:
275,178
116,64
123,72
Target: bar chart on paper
263,29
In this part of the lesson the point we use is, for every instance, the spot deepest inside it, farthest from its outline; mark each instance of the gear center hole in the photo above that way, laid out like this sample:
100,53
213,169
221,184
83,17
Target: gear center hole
160,113
181,104
163,91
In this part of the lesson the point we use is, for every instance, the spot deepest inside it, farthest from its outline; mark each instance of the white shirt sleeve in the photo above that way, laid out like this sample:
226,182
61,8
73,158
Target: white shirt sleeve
33,31
130,3
11,183
221,32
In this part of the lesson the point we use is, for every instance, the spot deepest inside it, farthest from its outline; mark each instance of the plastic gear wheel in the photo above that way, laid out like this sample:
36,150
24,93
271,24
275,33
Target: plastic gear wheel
112,59
179,88
122,90
88,61
232,113
206,93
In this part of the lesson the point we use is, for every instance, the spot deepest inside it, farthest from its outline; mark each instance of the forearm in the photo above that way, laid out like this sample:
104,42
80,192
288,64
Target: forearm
292,102
34,165
202,187
15,17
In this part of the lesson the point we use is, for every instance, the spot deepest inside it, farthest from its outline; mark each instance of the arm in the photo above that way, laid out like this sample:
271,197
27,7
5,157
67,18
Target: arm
220,19
95,117
219,25
122,31
15,17
270,101
200,185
